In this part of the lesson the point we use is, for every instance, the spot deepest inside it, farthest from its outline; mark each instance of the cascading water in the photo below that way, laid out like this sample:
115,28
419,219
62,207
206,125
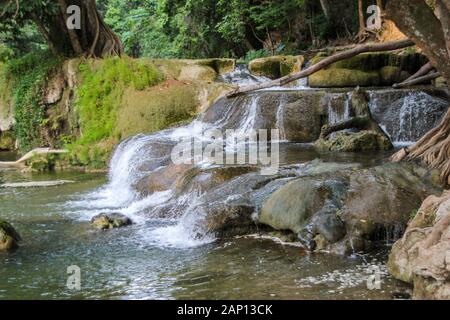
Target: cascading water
280,119
406,115
338,111
243,77
176,215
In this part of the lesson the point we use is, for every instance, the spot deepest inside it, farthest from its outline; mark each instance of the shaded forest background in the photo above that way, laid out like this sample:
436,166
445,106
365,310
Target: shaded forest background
211,28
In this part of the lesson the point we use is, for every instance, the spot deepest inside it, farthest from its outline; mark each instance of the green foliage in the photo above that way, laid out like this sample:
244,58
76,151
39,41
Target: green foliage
99,97
413,214
201,28
255,54
27,76
5,53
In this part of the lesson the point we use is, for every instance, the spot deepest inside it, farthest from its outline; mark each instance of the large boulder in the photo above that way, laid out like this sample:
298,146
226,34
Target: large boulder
422,256
347,210
340,77
365,140
367,69
9,237
298,115
277,66
105,221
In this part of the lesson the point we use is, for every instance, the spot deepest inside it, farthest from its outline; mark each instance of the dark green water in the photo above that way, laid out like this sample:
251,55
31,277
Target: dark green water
130,264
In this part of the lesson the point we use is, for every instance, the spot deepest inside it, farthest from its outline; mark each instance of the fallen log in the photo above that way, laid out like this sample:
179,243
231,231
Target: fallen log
418,80
424,70
21,162
371,47
356,123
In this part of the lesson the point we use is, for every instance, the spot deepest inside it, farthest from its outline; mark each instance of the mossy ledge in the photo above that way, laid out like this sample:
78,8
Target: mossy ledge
89,106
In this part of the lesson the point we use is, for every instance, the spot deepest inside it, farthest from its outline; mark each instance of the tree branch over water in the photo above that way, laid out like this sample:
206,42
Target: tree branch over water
371,47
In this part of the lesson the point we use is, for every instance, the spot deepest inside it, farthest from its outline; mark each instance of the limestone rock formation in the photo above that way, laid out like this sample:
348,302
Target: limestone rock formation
422,256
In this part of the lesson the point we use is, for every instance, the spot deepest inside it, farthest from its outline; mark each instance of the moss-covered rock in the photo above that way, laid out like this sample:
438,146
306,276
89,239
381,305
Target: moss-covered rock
105,221
367,69
9,237
219,65
7,141
390,75
197,72
365,140
276,67
340,77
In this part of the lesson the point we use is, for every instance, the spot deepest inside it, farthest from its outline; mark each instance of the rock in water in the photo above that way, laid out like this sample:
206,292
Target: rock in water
344,212
422,256
354,142
9,238
105,221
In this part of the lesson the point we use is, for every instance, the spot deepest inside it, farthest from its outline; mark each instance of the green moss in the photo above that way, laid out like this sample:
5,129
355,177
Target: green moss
390,75
276,67
153,110
354,142
7,141
335,77
390,68
26,78
99,98
220,66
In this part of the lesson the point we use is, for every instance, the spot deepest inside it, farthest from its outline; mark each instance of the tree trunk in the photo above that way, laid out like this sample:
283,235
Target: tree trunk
362,33
430,32
418,21
93,39
326,8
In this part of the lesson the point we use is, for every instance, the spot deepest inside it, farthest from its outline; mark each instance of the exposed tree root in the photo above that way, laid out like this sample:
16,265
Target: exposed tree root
433,149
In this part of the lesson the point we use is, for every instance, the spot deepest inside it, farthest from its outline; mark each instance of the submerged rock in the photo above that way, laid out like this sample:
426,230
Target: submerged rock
9,237
365,140
344,212
106,221
422,256
277,66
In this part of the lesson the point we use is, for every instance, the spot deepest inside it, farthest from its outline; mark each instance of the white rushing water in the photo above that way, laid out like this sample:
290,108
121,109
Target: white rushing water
406,115
180,217
137,158
242,76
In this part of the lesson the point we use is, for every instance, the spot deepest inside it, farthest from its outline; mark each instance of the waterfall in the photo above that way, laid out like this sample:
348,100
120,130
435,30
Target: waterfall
243,77
339,109
280,119
406,115
174,215
141,156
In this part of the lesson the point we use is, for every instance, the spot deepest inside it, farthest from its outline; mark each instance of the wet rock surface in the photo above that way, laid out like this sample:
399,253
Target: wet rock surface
105,221
355,141
9,237
422,256
346,211
277,66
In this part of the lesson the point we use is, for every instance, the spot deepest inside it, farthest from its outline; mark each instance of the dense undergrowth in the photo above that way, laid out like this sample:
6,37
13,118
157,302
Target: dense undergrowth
23,79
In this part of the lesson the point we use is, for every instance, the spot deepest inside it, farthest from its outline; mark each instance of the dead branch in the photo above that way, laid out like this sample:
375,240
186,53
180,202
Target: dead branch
370,47
418,80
